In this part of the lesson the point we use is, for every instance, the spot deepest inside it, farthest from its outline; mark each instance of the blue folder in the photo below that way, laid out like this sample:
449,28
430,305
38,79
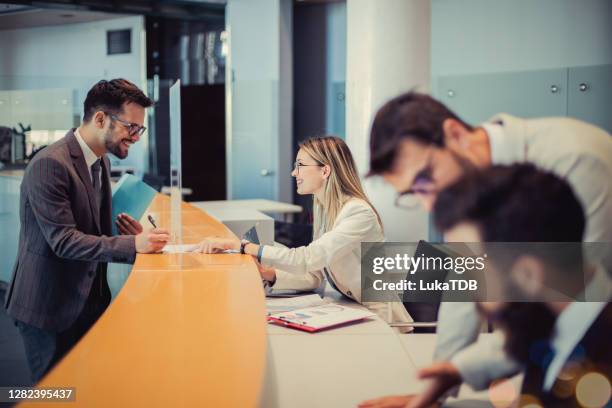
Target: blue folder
131,196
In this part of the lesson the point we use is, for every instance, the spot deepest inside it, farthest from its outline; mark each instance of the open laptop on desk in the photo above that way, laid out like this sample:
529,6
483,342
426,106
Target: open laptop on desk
252,236
271,292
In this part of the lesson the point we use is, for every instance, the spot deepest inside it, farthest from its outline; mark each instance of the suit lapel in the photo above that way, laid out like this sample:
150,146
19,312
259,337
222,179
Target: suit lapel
79,163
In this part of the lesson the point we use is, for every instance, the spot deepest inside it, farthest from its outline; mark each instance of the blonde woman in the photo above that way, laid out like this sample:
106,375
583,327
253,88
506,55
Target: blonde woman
343,218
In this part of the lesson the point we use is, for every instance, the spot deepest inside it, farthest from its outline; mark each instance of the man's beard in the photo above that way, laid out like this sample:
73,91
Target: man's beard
114,147
525,325
465,164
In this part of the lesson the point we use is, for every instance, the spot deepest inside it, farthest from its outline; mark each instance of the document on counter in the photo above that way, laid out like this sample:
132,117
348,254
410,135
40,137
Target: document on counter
187,248
179,249
287,304
313,319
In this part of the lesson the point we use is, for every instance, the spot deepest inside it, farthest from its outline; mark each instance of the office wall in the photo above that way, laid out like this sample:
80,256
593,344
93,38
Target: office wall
73,56
487,36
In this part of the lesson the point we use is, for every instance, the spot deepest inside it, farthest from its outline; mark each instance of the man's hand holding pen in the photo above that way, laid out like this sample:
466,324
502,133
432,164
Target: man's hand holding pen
150,241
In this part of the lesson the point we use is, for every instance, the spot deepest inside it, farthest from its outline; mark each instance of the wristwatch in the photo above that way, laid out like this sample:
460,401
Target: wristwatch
243,243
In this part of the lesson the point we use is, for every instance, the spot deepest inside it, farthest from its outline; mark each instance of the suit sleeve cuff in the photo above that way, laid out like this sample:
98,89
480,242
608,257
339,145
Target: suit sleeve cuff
126,249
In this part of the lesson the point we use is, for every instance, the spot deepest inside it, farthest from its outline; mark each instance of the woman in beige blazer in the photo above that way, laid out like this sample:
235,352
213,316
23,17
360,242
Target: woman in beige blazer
343,218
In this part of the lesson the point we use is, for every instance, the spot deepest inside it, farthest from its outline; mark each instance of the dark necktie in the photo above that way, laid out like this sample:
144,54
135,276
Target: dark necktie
541,355
95,175
97,187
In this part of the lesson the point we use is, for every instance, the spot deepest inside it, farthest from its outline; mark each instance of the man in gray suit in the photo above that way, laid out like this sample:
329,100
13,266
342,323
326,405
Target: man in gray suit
420,146
59,287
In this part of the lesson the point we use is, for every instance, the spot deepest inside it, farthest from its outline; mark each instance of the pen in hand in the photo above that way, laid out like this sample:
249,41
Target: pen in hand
152,241
151,220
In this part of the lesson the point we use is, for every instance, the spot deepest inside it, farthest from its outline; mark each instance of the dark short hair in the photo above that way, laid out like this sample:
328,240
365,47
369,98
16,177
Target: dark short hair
517,203
411,115
109,96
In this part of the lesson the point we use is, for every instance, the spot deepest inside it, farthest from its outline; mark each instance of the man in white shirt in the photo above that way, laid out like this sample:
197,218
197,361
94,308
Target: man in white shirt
420,147
558,342
550,337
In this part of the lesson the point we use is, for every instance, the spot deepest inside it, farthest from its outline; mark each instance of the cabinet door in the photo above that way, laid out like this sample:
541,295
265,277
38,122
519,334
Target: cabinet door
475,98
254,118
590,95
337,111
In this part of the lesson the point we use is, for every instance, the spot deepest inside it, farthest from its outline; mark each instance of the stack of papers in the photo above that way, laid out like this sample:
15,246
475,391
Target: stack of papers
312,319
287,304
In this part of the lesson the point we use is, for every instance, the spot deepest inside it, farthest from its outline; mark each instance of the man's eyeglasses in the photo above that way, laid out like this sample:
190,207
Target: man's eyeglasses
423,184
297,165
133,128
409,199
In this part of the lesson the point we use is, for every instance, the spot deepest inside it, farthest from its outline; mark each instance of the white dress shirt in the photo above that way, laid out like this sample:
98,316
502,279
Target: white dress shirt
576,151
88,154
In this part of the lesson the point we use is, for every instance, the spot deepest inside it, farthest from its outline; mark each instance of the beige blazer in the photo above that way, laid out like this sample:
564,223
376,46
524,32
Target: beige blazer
336,253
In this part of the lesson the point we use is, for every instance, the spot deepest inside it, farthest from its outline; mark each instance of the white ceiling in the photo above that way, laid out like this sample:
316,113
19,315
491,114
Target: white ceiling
15,16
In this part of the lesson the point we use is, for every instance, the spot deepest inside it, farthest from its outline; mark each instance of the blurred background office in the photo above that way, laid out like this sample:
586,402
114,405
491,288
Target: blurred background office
259,76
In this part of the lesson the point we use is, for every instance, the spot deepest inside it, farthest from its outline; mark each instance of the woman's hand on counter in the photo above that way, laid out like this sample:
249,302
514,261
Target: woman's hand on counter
267,272
212,245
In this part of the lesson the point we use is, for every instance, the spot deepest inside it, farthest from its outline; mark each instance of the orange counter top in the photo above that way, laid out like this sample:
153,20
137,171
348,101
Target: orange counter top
186,330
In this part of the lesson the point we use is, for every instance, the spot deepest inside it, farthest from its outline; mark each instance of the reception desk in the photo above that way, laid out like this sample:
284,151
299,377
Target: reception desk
189,330
185,330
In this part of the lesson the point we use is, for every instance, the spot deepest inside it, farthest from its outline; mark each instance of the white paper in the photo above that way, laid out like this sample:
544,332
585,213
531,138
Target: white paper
286,304
179,249
189,248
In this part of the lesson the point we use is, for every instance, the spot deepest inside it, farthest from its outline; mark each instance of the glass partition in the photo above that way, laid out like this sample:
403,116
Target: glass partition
175,163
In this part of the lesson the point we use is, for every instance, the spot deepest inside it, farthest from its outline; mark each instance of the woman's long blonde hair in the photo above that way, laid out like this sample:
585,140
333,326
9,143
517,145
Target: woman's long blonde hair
342,184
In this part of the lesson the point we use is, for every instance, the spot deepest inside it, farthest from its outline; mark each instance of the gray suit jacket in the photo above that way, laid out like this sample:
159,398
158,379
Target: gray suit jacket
64,238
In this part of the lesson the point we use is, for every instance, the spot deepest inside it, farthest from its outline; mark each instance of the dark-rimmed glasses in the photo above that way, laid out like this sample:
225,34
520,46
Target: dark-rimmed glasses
423,184
297,165
133,128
